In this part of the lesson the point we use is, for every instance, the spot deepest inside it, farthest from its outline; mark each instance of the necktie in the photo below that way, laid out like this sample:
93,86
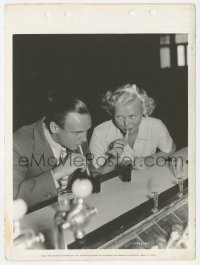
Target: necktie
61,160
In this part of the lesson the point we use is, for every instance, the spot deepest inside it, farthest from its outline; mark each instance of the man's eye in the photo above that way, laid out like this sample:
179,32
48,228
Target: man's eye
76,133
132,116
119,117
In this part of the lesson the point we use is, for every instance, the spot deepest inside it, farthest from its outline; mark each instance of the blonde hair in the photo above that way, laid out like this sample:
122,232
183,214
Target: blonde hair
125,94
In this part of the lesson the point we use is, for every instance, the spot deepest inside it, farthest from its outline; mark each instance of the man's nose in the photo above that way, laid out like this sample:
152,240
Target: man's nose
126,122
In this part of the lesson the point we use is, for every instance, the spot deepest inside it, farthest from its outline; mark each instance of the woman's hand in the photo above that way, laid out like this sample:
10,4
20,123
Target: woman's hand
116,148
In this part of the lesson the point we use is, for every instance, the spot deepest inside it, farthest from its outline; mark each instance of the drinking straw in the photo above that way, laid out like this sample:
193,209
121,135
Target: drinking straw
81,151
126,137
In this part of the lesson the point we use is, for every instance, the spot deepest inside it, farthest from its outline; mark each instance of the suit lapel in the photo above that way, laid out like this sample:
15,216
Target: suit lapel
43,152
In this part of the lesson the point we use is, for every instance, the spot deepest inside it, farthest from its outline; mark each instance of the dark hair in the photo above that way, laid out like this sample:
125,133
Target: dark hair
60,107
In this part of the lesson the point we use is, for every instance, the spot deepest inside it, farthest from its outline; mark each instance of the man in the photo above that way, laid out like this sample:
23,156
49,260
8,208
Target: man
46,152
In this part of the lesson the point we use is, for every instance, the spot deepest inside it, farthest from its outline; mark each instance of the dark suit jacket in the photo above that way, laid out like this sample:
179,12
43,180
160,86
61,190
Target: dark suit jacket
32,163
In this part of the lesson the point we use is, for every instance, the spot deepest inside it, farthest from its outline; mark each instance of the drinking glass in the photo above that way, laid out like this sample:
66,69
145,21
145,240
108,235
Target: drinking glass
65,199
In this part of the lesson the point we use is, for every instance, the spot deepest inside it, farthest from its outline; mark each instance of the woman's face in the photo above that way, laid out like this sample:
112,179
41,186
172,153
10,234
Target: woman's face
129,116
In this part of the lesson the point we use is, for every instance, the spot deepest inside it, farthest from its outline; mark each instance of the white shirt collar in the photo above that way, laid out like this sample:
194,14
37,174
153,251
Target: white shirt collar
56,148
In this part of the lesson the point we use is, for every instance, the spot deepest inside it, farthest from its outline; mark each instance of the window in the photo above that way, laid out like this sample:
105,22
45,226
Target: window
180,55
181,40
165,60
173,50
165,57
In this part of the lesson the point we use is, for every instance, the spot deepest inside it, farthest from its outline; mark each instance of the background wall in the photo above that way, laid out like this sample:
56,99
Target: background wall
86,66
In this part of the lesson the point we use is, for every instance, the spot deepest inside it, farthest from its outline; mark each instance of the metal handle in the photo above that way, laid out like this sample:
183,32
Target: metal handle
180,186
155,201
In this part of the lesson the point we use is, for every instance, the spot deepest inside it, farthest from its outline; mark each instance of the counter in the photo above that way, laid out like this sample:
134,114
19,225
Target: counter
116,200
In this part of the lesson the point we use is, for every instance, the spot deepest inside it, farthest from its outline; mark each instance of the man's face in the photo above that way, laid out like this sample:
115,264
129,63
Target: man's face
129,116
74,132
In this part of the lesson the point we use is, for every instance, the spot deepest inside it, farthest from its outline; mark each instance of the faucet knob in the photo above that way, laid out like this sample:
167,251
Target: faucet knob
19,209
82,188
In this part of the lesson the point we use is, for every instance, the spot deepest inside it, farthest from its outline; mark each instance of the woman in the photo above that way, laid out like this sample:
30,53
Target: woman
131,136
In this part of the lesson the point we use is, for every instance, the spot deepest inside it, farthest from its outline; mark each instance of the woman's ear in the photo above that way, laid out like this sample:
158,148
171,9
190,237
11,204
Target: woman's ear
53,127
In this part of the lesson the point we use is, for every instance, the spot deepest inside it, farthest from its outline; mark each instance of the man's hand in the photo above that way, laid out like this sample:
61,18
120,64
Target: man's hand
67,167
116,148
63,183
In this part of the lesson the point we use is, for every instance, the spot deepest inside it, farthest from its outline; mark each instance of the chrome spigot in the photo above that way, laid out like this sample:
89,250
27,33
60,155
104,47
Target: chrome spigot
24,238
180,186
179,167
29,239
78,217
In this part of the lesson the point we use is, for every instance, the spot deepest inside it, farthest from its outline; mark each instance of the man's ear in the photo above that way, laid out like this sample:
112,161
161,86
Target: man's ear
53,127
